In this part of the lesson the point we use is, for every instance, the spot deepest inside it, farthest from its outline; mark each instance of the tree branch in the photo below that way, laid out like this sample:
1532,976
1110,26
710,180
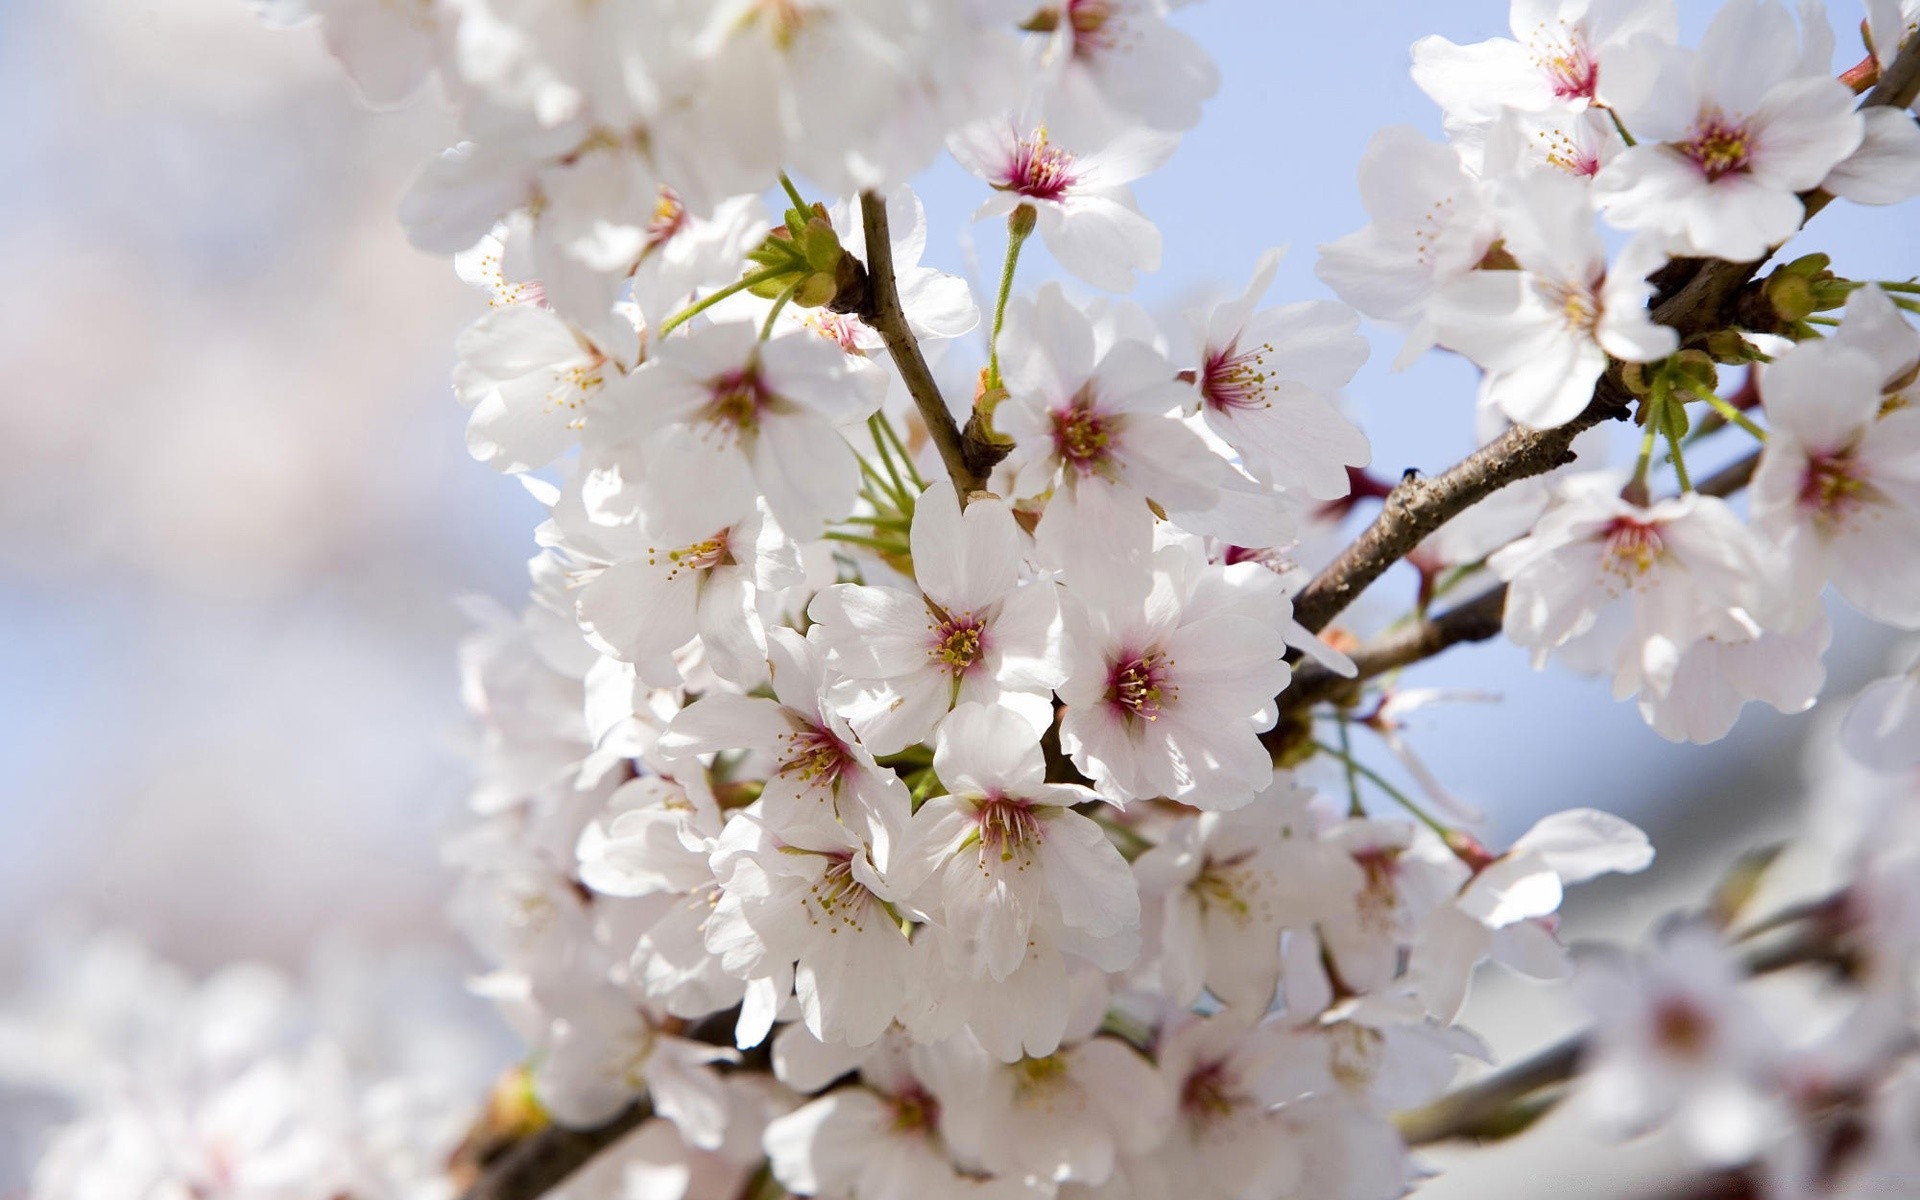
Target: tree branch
1476,620
1419,505
547,1159
882,311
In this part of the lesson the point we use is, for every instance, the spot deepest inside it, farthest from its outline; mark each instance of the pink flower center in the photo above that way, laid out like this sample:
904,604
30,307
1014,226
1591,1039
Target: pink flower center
1833,489
1233,379
736,401
837,899
1681,1028
815,756
714,552
1039,170
1632,547
1570,68
1208,1095
958,643
1719,147
915,1109
1008,830
839,328
669,218
1081,436
1140,686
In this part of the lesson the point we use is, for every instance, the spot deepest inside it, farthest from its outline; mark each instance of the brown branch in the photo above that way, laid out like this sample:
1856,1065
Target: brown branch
882,311
547,1159
1476,620
1420,505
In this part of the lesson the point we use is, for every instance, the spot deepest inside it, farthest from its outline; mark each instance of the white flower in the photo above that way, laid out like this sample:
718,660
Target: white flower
1084,211
1554,63
1717,677
1167,695
803,906
1267,379
528,376
778,405
1623,589
1838,487
973,633
1498,912
1091,415
1673,1039
1002,860
388,50
1544,332
878,1138
815,765
1432,224
1728,134
606,1048
1116,64
1062,1118
1882,729
1224,1141
703,564
1217,890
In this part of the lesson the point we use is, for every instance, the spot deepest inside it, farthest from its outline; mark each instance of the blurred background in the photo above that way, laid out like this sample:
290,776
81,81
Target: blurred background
237,511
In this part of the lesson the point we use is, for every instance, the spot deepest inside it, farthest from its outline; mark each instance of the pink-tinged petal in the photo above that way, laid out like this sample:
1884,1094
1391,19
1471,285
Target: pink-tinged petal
722,721
1087,877
984,750
1516,887
1886,167
964,561
1448,946
1583,843
873,632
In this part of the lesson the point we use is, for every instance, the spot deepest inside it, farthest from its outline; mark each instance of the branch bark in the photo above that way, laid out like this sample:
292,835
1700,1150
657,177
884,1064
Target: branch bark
883,312
1420,505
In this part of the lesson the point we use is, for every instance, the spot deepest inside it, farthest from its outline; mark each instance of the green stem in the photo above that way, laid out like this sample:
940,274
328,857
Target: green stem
1355,809
1017,233
894,499
1620,125
705,302
886,458
1733,415
854,539
779,303
793,193
900,447
1399,797
1678,459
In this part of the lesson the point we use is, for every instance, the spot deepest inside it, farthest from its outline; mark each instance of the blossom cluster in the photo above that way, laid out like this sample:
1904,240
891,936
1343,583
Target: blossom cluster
362,1079
1492,246
1814,1086
909,806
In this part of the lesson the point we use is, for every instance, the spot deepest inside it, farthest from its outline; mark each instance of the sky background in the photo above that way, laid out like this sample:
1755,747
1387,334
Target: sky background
237,511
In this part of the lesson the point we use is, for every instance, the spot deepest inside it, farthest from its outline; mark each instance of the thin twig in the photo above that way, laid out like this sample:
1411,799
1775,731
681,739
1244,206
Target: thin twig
882,311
